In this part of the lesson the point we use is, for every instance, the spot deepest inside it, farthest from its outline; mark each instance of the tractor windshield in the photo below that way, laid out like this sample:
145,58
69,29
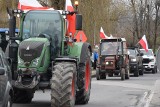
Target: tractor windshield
132,52
46,22
110,48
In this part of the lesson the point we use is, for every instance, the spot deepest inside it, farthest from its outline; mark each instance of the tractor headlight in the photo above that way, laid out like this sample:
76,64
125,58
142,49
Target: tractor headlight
107,63
35,61
133,60
20,61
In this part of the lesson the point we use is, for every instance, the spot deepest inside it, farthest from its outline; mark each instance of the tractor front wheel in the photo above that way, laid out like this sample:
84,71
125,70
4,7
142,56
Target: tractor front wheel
122,74
63,85
127,72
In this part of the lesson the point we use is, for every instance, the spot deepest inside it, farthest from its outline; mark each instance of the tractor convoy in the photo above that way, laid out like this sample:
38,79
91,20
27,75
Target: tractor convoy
43,59
44,54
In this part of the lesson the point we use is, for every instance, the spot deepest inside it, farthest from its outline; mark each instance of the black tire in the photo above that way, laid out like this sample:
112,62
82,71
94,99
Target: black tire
103,76
122,74
63,85
153,71
136,72
84,78
9,102
141,72
83,95
97,74
127,72
22,96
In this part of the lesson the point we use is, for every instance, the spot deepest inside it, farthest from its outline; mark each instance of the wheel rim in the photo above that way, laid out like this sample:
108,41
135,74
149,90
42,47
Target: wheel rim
87,76
73,87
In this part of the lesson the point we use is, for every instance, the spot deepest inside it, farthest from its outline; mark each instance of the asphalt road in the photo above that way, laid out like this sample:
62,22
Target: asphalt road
112,92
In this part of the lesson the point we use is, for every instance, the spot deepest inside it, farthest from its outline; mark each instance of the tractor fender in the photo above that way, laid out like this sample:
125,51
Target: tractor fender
85,47
79,50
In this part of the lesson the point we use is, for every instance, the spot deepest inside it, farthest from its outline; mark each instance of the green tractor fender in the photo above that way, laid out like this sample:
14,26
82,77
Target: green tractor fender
80,50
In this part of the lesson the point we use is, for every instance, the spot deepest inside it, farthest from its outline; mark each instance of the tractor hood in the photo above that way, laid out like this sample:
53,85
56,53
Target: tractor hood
31,48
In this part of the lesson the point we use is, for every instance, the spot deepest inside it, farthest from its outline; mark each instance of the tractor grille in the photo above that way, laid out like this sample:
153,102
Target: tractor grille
146,60
29,50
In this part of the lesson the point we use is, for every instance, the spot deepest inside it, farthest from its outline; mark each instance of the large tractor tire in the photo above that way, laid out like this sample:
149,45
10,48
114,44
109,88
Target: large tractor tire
22,96
63,85
83,94
84,78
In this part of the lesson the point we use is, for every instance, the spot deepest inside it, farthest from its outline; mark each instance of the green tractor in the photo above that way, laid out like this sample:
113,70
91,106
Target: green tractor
40,60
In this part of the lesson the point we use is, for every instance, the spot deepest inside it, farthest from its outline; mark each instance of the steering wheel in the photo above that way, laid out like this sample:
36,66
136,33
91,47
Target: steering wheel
43,35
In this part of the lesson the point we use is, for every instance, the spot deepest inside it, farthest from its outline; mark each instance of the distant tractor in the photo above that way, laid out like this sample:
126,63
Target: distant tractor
113,59
49,61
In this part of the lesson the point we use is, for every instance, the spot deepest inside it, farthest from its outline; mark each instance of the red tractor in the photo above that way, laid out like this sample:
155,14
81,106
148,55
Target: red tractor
113,59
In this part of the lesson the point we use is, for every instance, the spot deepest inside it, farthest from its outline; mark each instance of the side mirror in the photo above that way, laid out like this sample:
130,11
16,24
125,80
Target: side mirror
155,55
78,22
2,71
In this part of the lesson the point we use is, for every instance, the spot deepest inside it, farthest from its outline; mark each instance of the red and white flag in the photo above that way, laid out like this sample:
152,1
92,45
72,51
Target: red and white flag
30,5
144,43
102,34
70,18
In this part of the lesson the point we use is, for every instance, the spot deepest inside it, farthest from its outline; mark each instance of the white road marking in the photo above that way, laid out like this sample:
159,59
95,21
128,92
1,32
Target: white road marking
148,96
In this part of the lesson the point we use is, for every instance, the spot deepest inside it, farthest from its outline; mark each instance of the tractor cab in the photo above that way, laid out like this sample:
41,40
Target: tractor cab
113,58
43,24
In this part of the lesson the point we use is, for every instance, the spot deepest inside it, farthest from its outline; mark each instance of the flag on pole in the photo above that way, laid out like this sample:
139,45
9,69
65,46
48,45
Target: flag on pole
102,34
30,5
70,18
144,43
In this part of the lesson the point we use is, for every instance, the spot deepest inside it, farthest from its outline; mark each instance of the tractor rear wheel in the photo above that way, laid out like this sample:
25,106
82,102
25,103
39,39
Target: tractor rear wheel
63,85
22,96
83,94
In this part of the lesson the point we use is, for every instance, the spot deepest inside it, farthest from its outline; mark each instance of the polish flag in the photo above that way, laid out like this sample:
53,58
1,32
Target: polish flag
144,43
30,5
102,34
70,18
